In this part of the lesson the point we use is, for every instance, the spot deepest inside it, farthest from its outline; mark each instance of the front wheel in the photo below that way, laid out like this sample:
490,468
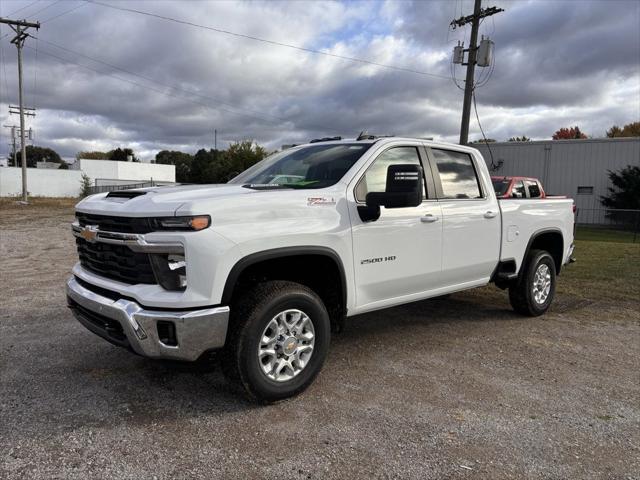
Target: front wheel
278,341
533,293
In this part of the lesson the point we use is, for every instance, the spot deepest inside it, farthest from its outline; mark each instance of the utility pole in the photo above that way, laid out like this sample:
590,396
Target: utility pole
20,27
478,14
215,139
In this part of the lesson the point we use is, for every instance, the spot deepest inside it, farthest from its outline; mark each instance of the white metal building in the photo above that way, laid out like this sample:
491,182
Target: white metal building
576,168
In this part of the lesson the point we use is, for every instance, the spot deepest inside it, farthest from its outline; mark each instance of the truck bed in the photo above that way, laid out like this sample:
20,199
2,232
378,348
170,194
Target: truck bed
521,218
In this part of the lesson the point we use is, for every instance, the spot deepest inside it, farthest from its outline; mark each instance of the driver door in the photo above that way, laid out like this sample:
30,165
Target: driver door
397,257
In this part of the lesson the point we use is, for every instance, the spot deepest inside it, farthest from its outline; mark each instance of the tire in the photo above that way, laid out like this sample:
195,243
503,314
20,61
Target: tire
260,313
527,297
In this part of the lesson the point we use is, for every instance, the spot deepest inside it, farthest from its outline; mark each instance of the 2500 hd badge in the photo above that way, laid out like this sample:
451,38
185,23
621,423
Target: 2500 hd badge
368,261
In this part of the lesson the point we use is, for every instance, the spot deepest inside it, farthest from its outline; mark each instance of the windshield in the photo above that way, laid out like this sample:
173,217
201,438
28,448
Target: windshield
501,186
314,166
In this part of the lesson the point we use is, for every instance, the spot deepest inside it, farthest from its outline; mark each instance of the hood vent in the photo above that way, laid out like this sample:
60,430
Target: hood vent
125,194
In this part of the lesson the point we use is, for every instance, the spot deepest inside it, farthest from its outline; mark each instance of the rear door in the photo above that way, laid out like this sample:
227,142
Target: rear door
397,257
471,218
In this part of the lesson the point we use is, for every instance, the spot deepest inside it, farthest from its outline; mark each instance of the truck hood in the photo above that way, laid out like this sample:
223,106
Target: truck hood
157,201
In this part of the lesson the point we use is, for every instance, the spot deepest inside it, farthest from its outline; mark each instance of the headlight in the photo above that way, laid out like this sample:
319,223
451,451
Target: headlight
199,222
170,271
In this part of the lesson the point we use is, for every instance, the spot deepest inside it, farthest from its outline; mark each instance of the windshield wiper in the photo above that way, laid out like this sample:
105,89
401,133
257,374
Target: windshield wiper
303,184
265,186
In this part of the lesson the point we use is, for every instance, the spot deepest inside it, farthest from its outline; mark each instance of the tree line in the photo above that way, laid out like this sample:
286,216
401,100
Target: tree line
212,166
570,133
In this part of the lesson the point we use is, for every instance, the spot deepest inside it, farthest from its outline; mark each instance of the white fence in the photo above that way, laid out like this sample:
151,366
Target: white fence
136,171
40,182
66,183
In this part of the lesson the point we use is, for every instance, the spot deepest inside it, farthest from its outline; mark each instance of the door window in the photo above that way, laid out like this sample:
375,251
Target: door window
375,179
534,189
457,174
518,190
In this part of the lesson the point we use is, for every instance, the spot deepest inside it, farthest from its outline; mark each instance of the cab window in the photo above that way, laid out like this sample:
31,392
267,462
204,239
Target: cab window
375,179
518,190
457,174
534,189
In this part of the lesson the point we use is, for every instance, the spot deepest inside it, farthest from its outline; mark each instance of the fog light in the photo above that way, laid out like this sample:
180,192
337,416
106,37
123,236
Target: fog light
170,271
167,333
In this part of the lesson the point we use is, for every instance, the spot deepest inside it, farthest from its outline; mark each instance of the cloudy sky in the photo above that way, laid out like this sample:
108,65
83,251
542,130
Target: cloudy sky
102,77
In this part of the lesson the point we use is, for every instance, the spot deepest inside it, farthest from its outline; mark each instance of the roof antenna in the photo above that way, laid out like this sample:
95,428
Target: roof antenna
364,135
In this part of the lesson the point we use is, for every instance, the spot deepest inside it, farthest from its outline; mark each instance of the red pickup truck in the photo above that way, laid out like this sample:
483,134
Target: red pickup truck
518,187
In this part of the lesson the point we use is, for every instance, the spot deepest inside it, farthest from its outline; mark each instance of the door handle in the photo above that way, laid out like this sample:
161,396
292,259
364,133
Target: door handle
490,214
428,218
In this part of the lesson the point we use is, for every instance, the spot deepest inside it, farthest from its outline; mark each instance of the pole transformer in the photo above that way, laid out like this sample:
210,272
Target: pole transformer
20,27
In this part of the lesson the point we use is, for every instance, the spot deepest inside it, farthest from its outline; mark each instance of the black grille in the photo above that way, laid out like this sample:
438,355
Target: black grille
106,327
101,291
117,262
108,223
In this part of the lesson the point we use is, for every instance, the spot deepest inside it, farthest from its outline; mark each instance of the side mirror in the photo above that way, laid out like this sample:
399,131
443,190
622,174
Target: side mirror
404,188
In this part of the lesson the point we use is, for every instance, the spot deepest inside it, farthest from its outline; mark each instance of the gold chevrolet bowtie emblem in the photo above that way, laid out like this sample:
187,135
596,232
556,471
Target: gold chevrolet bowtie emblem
89,233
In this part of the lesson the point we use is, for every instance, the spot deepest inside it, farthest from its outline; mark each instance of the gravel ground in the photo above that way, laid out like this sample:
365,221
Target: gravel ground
451,388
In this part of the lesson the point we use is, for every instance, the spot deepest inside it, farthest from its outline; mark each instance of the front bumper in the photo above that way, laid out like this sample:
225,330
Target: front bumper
127,324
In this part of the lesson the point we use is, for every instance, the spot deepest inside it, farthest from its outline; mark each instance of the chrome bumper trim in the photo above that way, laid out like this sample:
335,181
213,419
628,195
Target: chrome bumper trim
196,330
134,241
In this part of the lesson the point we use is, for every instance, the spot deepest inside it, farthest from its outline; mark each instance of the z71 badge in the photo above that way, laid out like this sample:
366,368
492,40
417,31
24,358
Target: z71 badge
320,201
369,261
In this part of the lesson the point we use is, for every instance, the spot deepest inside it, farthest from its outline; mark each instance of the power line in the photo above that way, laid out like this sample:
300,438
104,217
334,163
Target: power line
173,87
250,112
22,8
64,13
264,117
45,8
494,166
35,78
271,42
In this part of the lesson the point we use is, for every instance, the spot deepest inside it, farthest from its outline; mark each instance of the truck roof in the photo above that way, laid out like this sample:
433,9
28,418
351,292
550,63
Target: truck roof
370,139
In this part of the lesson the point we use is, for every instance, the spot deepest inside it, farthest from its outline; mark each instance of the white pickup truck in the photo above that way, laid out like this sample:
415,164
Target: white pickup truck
265,267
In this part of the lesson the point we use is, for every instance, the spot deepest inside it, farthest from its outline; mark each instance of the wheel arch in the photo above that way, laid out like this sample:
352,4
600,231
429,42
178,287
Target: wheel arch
550,240
265,262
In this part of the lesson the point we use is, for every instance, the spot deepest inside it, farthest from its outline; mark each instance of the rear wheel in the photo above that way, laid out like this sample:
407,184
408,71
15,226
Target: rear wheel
533,293
278,341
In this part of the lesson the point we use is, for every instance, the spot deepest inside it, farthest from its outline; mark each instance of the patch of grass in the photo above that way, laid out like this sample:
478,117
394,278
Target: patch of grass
604,235
606,418
7,203
603,271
